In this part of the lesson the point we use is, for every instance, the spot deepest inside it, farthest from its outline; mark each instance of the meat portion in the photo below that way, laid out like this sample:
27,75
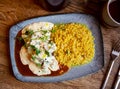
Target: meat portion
38,50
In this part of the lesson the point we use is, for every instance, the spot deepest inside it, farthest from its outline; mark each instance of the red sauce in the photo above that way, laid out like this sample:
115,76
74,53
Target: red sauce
23,69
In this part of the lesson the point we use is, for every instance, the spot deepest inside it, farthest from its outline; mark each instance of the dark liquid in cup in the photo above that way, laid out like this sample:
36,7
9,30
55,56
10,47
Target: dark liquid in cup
53,5
114,9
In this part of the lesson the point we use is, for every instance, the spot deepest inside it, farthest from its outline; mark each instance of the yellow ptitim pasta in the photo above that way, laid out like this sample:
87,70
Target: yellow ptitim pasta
75,44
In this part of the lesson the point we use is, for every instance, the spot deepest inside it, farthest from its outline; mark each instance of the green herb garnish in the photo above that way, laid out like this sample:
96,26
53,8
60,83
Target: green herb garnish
67,52
29,32
33,58
44,38
53,30
33,47
44,31
38,64
20,39
47,53
37,51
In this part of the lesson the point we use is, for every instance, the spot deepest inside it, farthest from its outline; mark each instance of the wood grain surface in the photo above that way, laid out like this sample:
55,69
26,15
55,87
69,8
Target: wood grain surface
14,11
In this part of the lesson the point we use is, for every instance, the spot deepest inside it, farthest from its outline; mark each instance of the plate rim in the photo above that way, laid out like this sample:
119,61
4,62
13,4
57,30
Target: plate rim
21,77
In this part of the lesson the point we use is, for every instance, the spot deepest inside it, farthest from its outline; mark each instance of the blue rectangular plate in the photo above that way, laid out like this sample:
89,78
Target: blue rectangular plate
75,72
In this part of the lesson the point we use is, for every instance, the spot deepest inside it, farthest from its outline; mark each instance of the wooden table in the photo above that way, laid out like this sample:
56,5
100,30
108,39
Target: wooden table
14,11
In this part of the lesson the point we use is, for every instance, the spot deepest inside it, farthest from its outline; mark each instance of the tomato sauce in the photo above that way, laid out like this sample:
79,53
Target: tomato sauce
24,69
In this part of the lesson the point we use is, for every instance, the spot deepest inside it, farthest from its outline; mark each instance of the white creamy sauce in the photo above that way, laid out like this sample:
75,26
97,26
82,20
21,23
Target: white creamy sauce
40,47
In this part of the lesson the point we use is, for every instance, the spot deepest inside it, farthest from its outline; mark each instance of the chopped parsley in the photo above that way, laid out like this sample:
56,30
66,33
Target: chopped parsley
44,31
37,51
44,38
38,64
29,32
33,58
53,30
20,39
47,53
33,47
